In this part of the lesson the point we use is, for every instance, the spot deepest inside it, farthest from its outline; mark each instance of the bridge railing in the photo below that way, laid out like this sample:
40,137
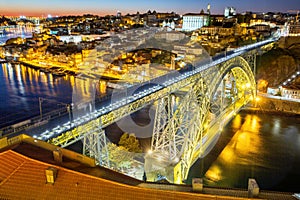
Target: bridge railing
32,122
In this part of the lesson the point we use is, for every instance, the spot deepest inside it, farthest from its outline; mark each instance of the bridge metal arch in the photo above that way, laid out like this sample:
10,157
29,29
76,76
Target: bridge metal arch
178,136
245,87
239,67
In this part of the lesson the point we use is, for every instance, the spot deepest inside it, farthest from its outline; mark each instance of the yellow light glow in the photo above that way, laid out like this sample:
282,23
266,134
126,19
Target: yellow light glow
237,121
214,173
227,155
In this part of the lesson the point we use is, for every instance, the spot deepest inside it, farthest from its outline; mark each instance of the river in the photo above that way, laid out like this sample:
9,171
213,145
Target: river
21,87
261,146
16,31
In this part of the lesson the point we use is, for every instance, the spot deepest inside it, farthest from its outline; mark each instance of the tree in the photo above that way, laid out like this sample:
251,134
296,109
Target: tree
130,143
119,156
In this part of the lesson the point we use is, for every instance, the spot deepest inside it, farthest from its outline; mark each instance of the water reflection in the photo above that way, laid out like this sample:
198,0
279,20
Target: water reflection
21,87
16,31
263,147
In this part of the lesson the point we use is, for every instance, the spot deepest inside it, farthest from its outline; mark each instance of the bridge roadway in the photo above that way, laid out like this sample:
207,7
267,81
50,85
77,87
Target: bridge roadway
129,100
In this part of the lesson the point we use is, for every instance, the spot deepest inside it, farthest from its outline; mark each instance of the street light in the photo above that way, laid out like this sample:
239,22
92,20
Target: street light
40,105
69,111
257,99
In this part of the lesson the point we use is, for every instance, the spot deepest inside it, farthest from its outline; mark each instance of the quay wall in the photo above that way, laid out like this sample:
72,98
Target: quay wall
272,105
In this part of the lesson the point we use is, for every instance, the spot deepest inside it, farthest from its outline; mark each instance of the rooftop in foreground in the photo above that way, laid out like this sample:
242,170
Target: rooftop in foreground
24,174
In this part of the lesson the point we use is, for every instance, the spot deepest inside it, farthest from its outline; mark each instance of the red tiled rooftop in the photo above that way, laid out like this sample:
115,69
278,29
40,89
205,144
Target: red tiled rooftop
23,164
27,180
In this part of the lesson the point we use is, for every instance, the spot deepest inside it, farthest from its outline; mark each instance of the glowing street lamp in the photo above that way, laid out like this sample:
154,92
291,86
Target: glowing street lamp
248,85
257,99
150,152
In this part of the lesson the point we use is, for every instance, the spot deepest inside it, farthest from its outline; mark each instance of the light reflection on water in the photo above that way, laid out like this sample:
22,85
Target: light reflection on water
19,31
263,147
21,87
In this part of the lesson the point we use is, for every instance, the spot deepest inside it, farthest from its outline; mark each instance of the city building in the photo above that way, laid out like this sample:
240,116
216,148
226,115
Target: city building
216,30
229,12
194,21
169,24
291,92
119,14
71,38
294,29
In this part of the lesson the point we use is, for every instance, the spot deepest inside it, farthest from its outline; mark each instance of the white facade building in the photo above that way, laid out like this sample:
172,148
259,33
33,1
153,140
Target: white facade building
192,21
169,25
291,93
71,38
229,12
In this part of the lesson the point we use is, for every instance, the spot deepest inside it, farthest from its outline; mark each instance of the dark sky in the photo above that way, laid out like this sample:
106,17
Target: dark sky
102,7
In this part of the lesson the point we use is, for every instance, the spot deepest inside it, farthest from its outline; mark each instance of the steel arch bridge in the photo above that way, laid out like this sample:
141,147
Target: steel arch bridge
183,135
184,132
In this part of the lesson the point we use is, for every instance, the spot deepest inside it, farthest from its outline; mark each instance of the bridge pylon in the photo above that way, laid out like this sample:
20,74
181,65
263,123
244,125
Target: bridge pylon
182,135
95,146
177,133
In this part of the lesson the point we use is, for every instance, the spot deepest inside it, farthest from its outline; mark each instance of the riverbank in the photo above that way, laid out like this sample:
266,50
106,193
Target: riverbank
252,110
276,106
73,71
56,70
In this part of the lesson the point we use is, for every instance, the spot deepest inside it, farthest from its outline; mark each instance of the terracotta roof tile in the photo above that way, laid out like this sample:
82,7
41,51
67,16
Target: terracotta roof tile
25,179
8,163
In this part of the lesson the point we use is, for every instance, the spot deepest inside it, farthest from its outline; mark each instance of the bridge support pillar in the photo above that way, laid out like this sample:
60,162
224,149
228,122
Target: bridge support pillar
158,167
253,189
95,146
197,184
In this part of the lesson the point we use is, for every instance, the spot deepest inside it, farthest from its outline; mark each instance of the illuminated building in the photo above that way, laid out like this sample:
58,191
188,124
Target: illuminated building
229,12
292,92
294,29
169,24
193,21
71,38
119,14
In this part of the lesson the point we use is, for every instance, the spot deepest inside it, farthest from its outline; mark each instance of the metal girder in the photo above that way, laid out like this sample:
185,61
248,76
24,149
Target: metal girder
186,127
95,146
250,57
163,114
199,105
181,130
179,134
107,119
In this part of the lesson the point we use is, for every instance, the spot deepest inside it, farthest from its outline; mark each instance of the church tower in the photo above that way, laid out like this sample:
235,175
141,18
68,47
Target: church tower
208,9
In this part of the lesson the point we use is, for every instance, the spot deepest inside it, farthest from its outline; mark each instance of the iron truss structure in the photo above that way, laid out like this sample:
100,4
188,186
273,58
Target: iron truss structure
182,133
180,137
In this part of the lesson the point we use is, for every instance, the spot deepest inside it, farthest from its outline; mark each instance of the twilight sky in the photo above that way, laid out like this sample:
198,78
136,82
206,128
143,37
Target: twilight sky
102,7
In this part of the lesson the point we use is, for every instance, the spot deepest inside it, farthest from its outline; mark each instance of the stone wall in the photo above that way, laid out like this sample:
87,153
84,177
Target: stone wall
286,42
275,105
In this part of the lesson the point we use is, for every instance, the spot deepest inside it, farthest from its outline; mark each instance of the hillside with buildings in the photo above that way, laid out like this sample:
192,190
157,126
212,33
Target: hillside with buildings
277,65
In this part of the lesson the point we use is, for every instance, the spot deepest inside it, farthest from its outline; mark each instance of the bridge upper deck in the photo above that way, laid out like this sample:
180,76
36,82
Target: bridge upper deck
129,100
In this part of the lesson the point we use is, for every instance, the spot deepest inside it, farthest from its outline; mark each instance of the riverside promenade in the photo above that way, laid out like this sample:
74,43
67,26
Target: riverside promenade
274,104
